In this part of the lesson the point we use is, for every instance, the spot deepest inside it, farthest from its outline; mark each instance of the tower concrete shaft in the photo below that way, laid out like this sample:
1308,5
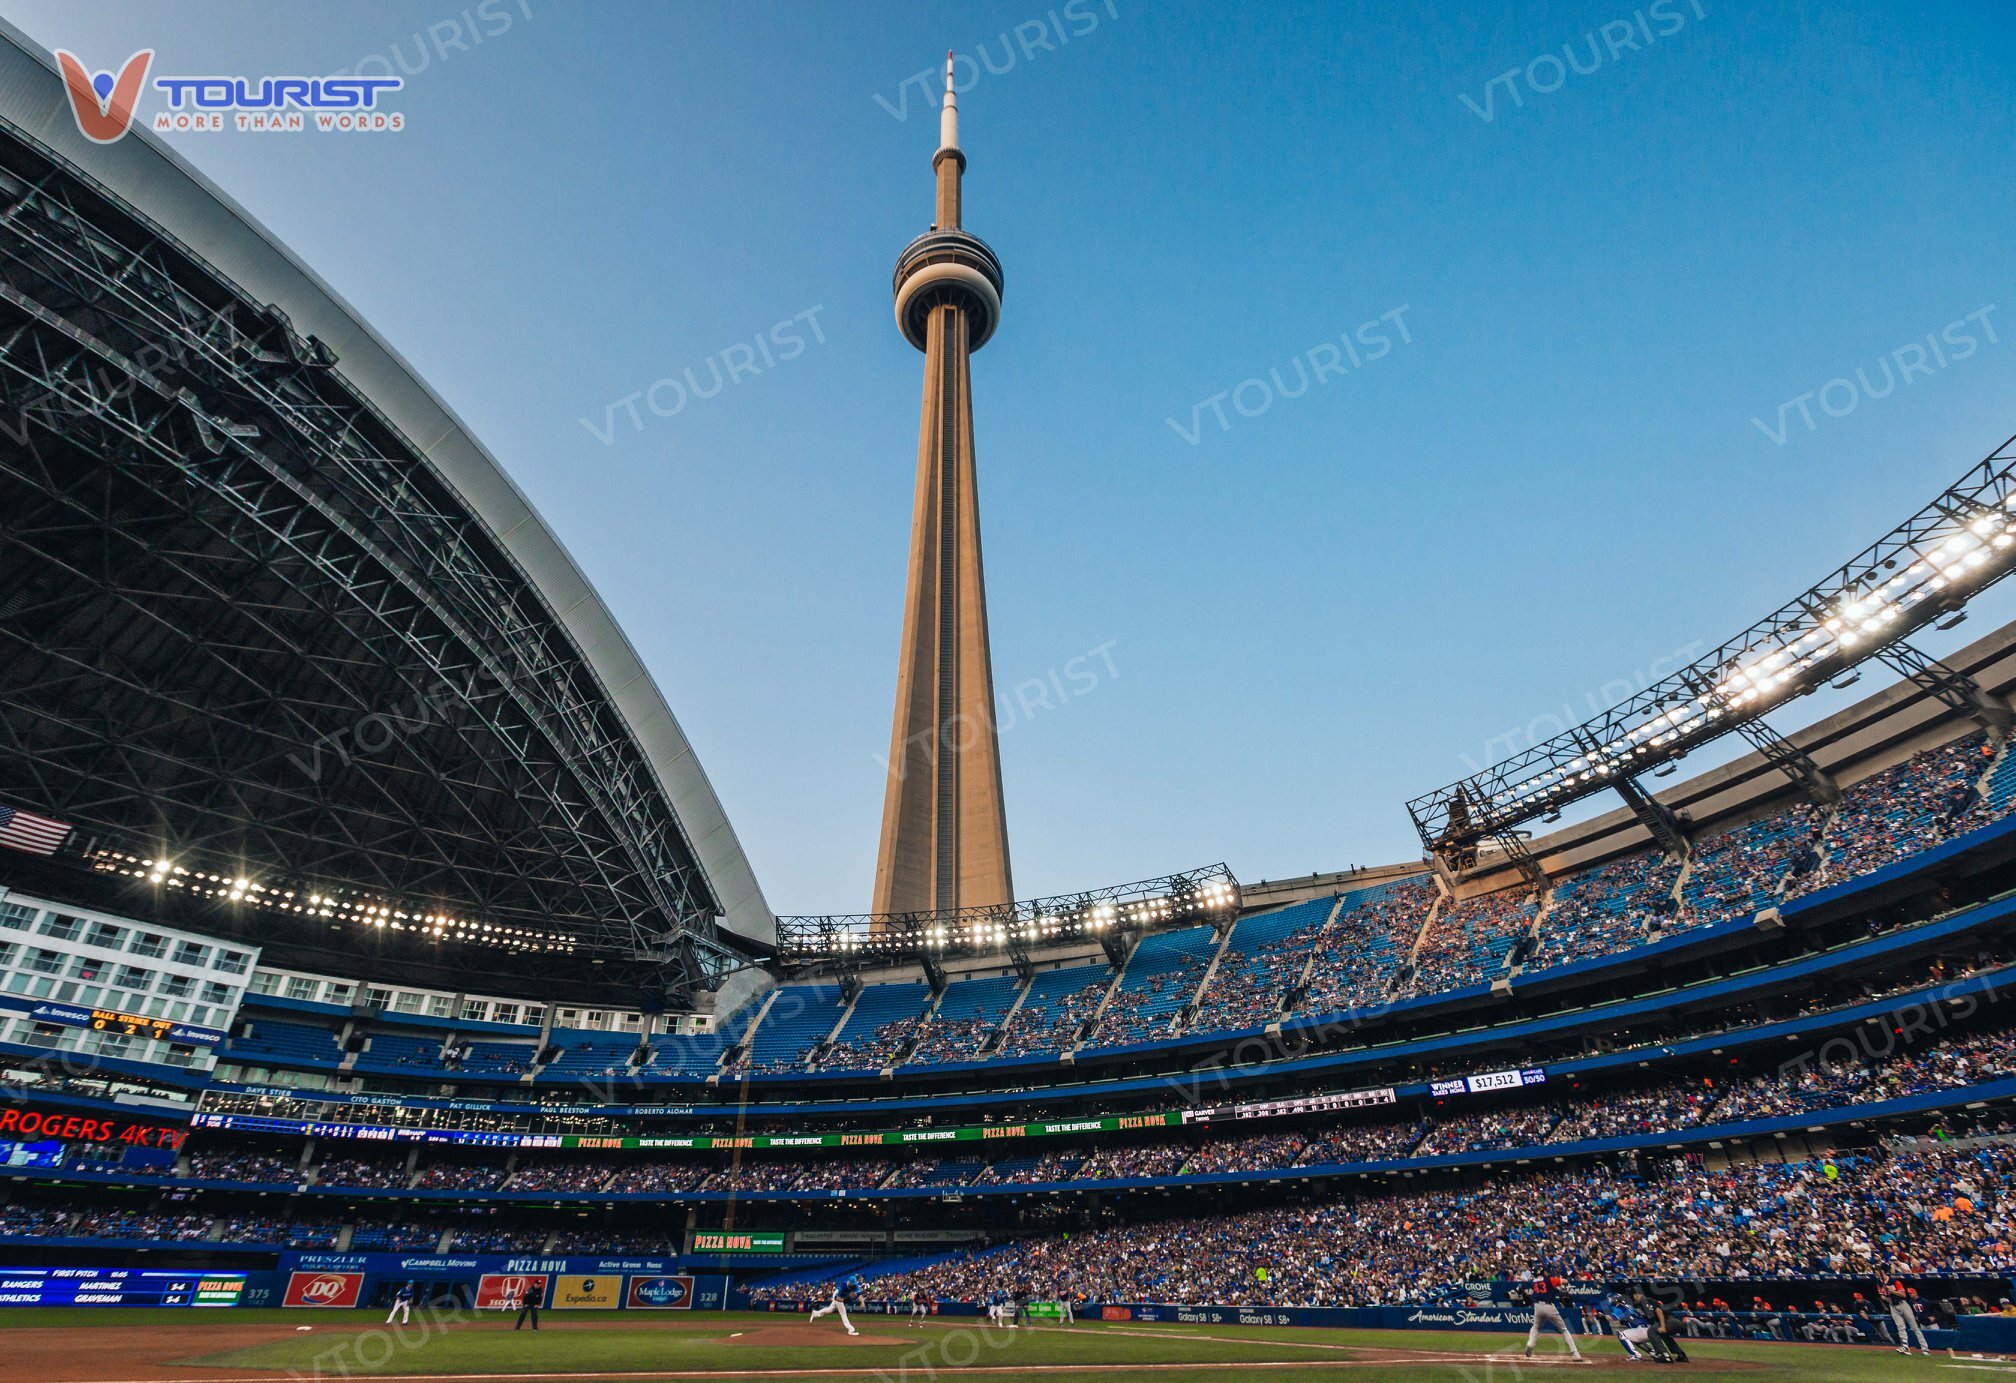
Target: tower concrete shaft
944,828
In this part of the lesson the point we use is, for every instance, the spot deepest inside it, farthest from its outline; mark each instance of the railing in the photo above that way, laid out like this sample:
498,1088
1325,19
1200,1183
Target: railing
1197,895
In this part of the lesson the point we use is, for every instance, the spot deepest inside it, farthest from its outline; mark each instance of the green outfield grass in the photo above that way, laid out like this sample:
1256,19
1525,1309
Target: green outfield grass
347,1345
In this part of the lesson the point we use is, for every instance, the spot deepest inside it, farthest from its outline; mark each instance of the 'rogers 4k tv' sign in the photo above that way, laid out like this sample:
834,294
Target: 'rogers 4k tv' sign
105,102
62,1125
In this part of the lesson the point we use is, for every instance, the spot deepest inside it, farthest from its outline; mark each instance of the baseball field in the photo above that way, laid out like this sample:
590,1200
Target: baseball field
71,1345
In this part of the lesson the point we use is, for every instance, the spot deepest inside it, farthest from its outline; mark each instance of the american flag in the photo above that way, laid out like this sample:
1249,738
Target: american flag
38,835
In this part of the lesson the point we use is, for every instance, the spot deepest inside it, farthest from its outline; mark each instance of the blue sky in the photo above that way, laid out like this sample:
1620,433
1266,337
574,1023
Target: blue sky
1621,257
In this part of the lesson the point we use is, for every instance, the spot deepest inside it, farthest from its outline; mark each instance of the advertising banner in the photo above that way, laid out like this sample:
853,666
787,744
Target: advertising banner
494,1289
736,1241
660,1294
323,1289
577,1293
29,1120
472,1265
126,1024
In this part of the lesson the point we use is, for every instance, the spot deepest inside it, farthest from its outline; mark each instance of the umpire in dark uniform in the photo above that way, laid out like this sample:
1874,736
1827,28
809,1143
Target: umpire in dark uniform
527,1302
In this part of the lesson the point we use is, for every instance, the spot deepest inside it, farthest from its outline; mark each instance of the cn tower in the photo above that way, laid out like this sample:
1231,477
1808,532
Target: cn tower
944,830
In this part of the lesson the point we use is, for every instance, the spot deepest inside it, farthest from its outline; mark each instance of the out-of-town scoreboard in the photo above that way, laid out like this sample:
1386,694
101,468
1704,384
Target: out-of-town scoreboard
117,1287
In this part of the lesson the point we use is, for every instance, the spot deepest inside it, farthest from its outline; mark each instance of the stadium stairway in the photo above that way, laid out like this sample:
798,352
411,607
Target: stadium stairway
1040,999
808,1018
1301,985
992,1039
1244,966
818,1049
1998,784
1151,983
1435,909
875,1006
1021,994
1190,1006
964,1002
1365,938
734,1056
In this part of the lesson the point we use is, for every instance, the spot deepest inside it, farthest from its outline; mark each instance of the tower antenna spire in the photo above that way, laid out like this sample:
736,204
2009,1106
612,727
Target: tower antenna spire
948,118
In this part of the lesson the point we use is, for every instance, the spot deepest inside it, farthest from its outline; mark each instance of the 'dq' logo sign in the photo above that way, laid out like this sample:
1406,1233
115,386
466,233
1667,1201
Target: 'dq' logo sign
104,103
323,1289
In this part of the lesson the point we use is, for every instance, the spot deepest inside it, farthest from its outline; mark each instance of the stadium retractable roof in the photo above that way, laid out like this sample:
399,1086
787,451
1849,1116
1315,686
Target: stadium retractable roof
272,620
1921,572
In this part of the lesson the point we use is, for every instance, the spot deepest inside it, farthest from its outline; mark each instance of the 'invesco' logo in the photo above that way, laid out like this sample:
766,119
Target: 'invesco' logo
104,104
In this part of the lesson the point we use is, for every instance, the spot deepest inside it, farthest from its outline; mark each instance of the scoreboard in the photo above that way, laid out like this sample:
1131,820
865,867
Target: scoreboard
1489,1081
126,1024
117,1287
130,1024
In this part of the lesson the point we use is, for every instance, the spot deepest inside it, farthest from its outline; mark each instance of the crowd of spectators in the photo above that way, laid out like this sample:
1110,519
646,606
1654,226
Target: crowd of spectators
1825,1083
753,1176
1756,1219
499,1059
1249,994
129,1224
238,1165
1843,1072
1662,1108
1150,1010
1516,1126
460,1176
1055,1027
845,1174
370,1174
1253,1153
23,1219
1933,1212
614,1241
1739,871
1359,953
1135,1160
393,1236
952,1039
1049,1166
661,1178
258,1229
559,1176
498,1239
1609,909
1363,1143
1469,940
1911,806
1376,951
932,1171
881,1048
